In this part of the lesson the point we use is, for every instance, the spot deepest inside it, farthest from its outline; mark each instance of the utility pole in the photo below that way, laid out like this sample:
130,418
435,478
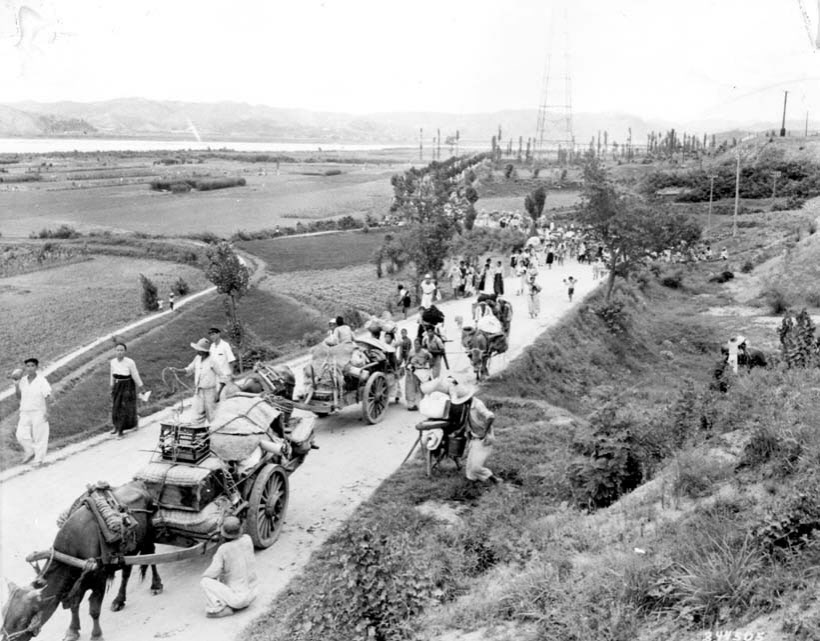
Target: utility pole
783,126
711,194
737,196
421,144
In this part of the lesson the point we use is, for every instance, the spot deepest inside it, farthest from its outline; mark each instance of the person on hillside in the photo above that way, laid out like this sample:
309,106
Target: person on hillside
570,282
34,394
481,437
404,300
124,381
419,367
221,351
209,377
428,291
341,333
433,343
229,582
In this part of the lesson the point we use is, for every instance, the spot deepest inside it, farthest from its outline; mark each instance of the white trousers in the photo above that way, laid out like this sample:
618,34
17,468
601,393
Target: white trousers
477,454
203,406
32,434
218,595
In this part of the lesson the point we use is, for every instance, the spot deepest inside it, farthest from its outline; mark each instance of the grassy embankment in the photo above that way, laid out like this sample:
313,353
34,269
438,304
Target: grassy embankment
277,323
717,531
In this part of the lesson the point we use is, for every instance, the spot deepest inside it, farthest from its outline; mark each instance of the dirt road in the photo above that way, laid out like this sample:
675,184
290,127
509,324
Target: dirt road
353,460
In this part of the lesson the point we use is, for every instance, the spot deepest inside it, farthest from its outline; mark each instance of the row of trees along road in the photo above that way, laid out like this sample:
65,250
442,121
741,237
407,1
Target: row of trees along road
627,226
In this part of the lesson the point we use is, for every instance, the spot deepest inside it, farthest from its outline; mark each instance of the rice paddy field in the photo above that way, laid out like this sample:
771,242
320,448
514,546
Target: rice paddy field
110,193
51,312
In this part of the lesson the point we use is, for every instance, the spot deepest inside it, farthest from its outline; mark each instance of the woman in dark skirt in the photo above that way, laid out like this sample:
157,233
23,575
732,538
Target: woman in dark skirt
124,380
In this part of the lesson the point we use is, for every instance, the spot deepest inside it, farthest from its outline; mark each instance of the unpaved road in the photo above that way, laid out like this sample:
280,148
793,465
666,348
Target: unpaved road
353,460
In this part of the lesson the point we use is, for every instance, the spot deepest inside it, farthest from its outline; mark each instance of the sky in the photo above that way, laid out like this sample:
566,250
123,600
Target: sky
675,60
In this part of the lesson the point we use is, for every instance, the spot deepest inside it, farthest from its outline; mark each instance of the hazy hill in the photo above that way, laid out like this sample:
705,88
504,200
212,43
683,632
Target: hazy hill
139,117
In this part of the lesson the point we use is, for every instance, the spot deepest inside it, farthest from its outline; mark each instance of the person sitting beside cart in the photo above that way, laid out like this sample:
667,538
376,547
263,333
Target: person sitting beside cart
229,583
209,377
340,334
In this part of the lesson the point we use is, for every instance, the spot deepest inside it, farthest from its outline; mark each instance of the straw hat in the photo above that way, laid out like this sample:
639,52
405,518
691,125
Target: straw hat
231,528
461,393
428,276
202,345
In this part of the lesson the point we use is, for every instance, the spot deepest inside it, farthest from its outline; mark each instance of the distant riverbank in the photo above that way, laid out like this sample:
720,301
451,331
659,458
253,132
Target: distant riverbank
51,145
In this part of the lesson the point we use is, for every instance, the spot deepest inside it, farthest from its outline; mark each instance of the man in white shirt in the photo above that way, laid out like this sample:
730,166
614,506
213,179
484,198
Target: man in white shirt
221,351
34,394
428,291
209,379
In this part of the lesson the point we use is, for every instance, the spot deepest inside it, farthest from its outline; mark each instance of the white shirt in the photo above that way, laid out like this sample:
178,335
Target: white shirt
233,565
223,355
208,374
125,367
33,394
428,289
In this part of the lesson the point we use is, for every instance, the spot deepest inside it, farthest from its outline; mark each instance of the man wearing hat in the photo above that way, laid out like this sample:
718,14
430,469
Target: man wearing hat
221,351
229,582
479,431
209,377
34,394
428,291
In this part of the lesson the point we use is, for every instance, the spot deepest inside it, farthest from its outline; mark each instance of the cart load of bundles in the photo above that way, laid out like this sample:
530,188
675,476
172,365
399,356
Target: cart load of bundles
336,369
487,331
195,493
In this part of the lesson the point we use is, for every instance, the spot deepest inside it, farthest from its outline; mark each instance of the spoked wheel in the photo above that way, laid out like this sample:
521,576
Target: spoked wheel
374,399
267,505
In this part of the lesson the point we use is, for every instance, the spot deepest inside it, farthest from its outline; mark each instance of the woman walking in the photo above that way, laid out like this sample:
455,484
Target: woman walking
124,381
533,293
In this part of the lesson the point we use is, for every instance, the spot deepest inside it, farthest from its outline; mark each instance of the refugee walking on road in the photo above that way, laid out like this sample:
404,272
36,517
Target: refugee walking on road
432,343
479,432
533,293
229,583
124,380
418,372
34,394
570,282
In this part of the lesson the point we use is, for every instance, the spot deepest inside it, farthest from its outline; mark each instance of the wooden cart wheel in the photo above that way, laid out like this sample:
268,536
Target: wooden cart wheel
267,505
374,399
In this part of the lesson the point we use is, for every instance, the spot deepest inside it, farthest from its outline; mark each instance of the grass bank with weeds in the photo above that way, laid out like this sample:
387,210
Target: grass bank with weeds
609,523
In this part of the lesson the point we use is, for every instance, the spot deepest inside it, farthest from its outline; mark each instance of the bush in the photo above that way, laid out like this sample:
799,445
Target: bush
723,277
747,267
150,300
376,581
180,188
673,280
776,300
614,316
181,287
63,231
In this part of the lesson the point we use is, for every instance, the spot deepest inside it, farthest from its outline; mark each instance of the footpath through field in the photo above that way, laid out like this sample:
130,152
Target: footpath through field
353,460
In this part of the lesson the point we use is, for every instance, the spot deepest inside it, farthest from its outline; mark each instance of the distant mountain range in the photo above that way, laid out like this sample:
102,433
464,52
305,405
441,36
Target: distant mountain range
225,121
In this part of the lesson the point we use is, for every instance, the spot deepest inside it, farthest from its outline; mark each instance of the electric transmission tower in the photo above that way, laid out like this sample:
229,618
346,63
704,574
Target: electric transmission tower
554,128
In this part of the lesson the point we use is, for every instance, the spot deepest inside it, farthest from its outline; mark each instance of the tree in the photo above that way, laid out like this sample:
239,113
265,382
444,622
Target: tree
232,278
534,204
625,226
150,300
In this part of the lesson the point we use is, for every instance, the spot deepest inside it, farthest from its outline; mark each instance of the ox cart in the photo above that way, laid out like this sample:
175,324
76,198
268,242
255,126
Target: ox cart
238,465
343,375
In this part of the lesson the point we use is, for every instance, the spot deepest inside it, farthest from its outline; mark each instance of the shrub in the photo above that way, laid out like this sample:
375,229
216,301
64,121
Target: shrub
150,301
673,280
181,287
723,277
63,231
180,188
610,465
747,267
375,582
776,299
696,475
812,227
614,316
